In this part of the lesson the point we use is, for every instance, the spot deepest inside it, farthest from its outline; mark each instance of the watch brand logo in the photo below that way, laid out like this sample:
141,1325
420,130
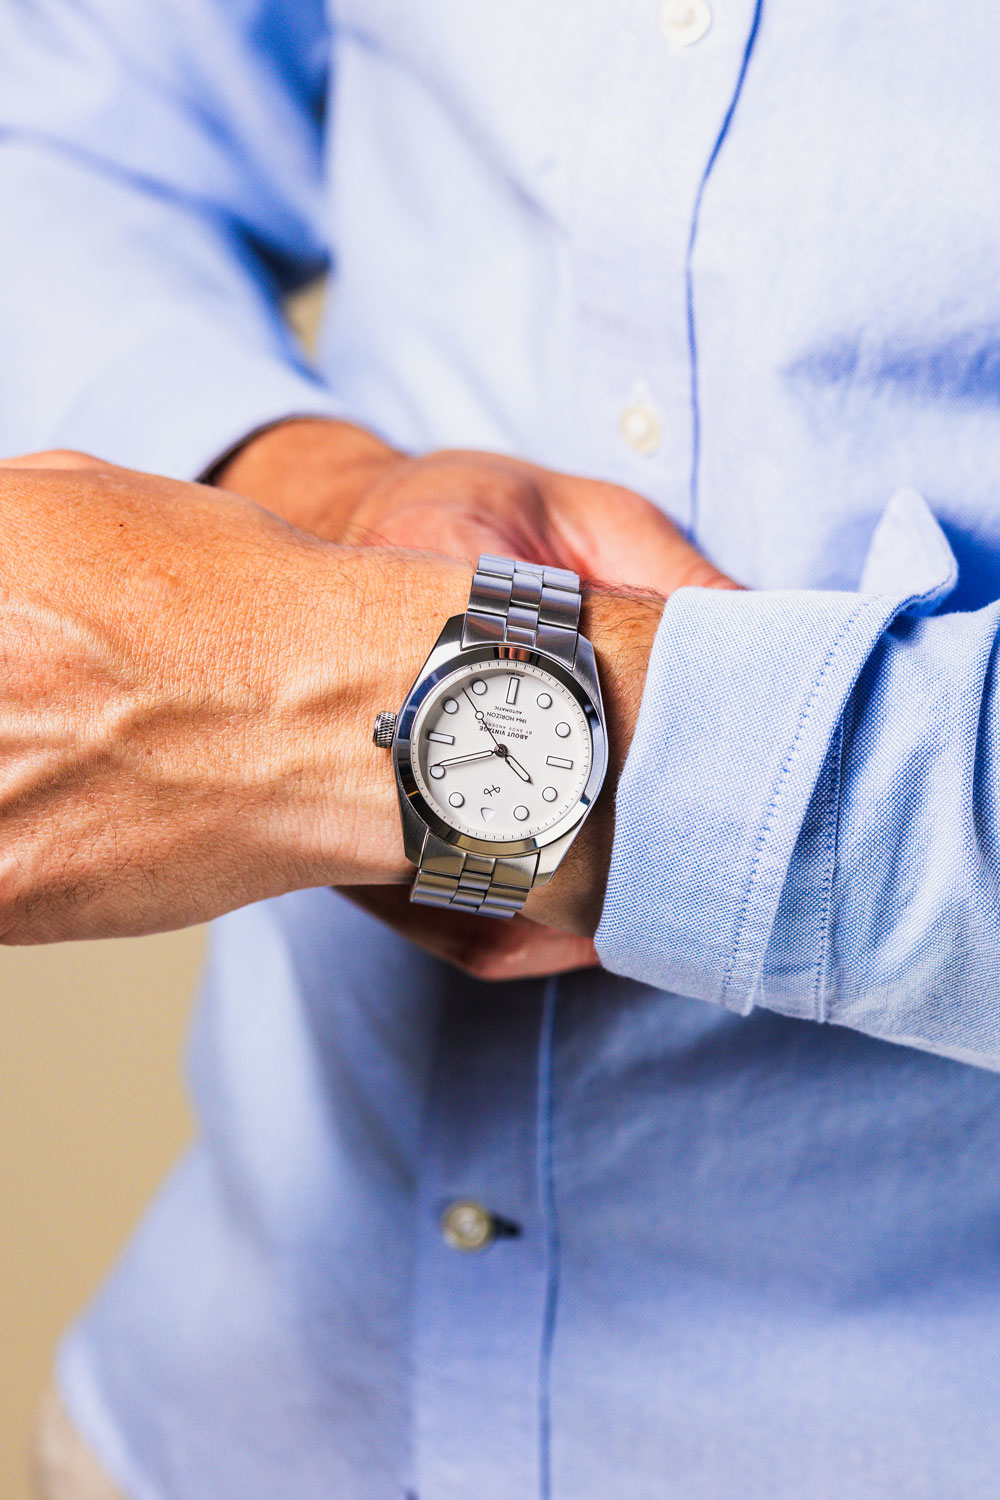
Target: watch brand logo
506,721
491,791
506,713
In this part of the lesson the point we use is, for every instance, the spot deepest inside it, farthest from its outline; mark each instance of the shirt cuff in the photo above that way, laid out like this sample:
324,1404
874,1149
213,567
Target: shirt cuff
185,396
740,712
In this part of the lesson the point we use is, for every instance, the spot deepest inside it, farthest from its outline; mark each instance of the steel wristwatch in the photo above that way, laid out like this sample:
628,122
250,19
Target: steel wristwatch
500,747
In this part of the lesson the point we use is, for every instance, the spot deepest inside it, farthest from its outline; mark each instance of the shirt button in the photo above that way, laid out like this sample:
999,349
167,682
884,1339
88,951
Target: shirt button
684,22
640,425
468,1226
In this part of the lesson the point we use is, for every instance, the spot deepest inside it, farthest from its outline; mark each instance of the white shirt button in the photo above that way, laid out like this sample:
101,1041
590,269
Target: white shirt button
684,22
468,1226
640,424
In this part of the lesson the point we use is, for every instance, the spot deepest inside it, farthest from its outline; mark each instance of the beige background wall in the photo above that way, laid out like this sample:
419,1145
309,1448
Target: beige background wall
92,1112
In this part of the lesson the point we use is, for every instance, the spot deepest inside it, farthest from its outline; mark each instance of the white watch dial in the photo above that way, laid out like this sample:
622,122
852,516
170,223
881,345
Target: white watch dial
501,751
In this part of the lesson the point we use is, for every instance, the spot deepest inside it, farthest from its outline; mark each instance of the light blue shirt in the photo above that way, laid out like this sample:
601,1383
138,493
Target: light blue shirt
752,271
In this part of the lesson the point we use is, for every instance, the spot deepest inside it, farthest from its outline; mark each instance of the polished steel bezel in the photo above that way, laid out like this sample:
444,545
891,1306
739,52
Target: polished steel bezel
402,751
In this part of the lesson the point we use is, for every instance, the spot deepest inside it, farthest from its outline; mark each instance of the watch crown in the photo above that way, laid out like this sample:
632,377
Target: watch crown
385,728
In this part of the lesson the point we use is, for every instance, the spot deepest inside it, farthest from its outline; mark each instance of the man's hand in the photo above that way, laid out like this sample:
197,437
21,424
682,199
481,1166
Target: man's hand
518,948
186,702
342,482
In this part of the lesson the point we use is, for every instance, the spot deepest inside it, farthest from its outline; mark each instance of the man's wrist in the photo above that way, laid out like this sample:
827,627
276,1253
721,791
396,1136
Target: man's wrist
347,671
622,629
363,625
310,471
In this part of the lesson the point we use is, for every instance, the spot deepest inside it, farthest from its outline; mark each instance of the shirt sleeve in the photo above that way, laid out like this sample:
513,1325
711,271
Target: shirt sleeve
161,168
809,815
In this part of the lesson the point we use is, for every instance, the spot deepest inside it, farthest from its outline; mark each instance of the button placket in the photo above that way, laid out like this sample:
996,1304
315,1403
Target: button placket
652,123
481,1265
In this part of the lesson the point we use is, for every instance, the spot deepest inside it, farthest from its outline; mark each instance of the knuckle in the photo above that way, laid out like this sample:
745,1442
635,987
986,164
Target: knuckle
65,458
699,573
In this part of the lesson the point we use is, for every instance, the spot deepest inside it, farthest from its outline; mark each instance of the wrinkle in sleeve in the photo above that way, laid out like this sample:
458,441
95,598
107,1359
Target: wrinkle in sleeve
165,167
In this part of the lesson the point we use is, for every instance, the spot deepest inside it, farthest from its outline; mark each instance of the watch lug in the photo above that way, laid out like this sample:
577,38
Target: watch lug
448,643
552,855
585,672
414,830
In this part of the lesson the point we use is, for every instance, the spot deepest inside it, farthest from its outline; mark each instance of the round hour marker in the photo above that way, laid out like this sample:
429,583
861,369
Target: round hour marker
545,700
450,706
479,686
549,793
456,799
521,813
437,772
562,730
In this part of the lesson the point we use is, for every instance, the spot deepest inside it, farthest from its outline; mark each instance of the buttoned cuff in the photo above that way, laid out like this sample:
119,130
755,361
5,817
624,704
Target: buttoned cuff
742,703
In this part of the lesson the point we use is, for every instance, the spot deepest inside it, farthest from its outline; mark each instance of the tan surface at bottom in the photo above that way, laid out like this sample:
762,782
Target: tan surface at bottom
65,1468
92,1114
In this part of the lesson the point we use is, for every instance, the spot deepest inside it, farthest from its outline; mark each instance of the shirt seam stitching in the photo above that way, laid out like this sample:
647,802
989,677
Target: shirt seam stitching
771,811
832,833
692,334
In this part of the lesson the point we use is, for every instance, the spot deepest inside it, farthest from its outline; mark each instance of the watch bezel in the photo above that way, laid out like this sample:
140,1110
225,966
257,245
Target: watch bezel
402,749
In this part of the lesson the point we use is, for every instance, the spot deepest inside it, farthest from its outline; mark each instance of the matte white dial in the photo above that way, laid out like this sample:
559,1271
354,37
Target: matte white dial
501,750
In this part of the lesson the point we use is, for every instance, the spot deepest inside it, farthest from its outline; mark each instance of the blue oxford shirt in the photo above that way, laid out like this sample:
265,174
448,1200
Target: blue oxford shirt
742,257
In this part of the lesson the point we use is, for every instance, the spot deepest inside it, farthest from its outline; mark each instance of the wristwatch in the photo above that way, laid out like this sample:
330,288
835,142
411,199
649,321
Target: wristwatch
500,747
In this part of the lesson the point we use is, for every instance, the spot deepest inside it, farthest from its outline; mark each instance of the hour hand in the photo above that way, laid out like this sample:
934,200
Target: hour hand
464,760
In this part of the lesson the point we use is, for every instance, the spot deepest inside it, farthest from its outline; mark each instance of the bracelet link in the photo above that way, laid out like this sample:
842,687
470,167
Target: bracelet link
524,604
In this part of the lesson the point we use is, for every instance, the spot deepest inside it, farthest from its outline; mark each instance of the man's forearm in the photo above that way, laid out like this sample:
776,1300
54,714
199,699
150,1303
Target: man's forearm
187,703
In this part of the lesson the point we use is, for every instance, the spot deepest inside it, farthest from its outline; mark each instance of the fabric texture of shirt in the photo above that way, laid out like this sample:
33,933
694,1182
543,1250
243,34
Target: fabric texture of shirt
750,1169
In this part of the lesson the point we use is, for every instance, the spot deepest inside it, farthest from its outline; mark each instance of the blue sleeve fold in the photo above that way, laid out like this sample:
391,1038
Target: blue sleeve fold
808,818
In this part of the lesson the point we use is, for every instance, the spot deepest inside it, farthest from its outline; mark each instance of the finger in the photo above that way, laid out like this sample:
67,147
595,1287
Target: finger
55,458
644,549
619,537
483,948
